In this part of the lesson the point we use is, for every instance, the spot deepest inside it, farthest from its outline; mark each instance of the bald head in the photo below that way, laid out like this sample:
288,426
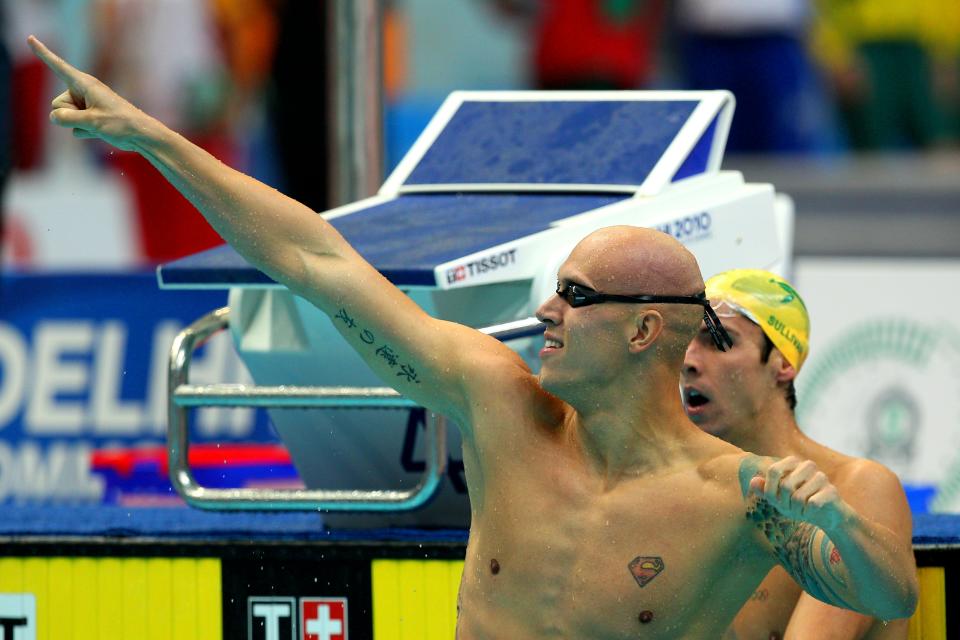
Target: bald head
628,260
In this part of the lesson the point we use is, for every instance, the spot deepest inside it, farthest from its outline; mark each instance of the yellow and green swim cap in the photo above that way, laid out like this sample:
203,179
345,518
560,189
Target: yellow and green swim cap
770,302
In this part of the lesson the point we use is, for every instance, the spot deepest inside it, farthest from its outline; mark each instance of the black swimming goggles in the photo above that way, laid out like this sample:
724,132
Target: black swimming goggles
578,295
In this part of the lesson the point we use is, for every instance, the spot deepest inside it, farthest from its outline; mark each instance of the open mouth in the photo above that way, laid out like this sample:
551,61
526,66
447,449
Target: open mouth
693,398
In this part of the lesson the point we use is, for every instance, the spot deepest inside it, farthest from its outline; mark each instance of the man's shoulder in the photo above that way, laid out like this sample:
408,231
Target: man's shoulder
862,473
846,471
726,477
851,475
512,400
733,467
506,379
873,490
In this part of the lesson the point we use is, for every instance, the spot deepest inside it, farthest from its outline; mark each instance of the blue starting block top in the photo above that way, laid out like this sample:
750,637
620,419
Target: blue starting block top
407,237
552,143
494,167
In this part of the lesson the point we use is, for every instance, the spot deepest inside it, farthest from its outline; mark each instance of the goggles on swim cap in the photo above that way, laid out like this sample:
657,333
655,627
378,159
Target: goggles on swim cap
768,301
578,295
724,309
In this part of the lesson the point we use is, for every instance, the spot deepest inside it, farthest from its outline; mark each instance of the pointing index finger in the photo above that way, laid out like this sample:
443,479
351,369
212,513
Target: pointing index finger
58,65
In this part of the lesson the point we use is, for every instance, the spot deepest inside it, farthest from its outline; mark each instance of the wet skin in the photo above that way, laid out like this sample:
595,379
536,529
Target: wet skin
738,397
582,478
565,543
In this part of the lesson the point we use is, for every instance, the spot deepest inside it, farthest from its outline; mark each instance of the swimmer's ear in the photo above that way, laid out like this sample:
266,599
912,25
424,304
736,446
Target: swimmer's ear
784,371
649,325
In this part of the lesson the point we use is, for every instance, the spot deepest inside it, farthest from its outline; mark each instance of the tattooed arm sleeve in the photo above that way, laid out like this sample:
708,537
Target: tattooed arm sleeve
805,552
851,562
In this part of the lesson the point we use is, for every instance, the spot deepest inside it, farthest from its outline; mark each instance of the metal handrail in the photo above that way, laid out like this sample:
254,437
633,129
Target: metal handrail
183,396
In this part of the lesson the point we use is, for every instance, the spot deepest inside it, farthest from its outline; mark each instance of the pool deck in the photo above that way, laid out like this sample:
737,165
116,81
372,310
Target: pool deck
22,523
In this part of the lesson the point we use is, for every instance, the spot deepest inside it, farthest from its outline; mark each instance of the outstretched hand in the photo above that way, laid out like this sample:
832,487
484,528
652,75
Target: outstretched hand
88,106
800,491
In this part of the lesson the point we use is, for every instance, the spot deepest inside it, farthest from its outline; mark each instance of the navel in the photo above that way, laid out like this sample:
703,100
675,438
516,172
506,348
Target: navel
645,616
494,566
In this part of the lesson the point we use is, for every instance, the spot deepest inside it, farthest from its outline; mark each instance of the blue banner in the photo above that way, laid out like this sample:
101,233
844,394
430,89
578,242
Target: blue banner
83,371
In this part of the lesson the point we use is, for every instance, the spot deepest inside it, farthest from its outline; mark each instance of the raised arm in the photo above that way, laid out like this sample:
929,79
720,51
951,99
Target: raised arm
837,554
423,358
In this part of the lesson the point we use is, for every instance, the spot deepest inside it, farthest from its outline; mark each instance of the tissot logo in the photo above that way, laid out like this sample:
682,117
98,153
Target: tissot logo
271,618
456,274
9,626
487,263
18,616
323,618
279,618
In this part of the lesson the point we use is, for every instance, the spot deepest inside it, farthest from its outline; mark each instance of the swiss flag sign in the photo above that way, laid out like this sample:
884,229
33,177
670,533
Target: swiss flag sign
323,618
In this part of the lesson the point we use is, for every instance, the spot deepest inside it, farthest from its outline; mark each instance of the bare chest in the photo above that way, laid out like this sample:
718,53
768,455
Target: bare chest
559,560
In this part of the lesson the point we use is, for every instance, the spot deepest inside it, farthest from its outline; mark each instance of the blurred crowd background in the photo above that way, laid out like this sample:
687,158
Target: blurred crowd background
246,80
851,108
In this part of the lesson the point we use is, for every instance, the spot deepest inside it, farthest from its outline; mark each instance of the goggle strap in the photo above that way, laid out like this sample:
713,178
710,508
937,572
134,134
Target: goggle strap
715,327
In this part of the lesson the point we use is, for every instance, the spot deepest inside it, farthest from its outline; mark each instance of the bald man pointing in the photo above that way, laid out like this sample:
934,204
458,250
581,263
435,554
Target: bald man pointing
598,509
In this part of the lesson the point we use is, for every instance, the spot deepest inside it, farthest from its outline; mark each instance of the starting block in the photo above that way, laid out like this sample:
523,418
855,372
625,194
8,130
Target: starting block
473,225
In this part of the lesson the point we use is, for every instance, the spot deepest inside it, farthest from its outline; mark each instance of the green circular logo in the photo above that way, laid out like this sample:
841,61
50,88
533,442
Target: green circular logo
890,390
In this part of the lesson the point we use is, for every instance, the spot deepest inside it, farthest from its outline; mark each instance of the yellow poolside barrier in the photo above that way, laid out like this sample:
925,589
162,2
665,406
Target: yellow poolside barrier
103,598
415,599
930,620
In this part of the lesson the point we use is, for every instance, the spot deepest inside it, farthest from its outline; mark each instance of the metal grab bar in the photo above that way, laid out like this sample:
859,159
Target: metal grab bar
241,395
515,329
183,396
